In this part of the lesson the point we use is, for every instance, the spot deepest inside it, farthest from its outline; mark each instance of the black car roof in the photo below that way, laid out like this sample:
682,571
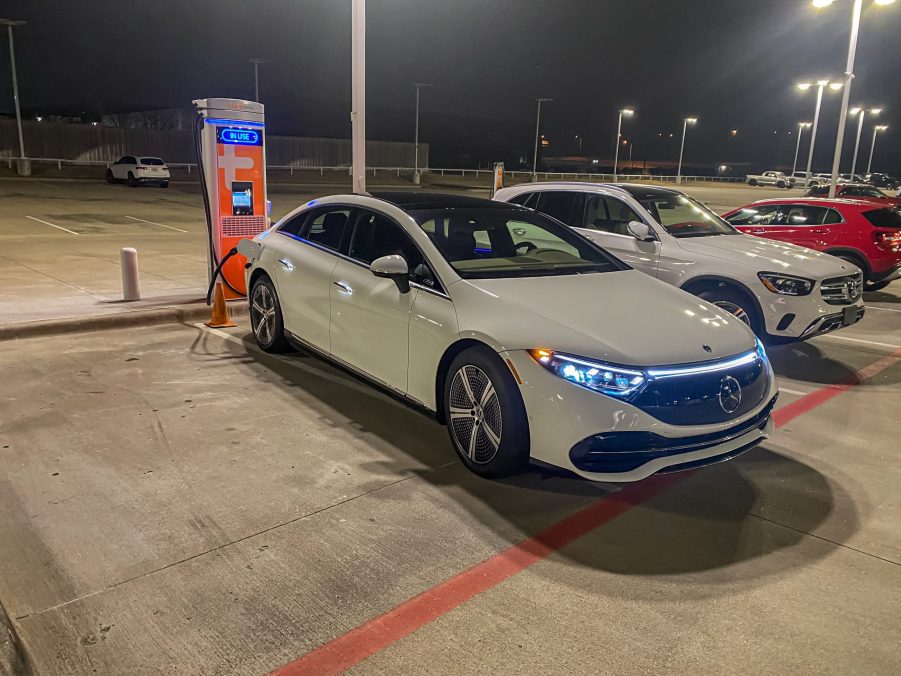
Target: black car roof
413,200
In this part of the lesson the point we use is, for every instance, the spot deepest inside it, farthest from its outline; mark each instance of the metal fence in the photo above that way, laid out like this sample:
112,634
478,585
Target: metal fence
87,144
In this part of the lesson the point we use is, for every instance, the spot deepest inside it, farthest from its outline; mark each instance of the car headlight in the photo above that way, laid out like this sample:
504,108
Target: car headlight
591,374
786,285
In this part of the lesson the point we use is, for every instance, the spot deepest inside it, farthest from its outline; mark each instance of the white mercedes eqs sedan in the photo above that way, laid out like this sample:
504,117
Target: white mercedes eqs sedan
526,339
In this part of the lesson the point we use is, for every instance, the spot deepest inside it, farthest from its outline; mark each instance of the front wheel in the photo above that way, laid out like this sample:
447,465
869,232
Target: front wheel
485,414
266,317
109,177
132,181
780,184
737,305
164,184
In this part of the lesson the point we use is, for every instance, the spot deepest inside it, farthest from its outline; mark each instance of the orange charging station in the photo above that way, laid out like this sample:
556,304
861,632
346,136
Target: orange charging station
230,135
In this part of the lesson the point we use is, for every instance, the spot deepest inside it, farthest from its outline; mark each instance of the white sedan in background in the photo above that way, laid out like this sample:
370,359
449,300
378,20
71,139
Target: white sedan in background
138,169
782,291
526,339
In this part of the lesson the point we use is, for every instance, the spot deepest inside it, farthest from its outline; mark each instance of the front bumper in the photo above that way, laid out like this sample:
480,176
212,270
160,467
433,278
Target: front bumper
565,418
793,318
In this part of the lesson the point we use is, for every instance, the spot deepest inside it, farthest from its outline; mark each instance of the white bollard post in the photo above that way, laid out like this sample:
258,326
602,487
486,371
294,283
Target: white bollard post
131,286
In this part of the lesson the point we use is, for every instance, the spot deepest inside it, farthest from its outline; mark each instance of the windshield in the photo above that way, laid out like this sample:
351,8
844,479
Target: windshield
493,242
152,161
682,216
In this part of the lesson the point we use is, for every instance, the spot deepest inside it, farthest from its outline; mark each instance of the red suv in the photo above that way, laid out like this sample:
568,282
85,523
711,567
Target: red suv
855,191
863,233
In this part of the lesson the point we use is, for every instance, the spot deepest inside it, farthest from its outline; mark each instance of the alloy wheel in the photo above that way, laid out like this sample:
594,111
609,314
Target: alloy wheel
262,314
475,414
734,309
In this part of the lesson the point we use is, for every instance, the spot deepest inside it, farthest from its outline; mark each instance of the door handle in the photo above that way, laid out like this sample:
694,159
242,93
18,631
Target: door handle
757,231
288,265
820,231
346,288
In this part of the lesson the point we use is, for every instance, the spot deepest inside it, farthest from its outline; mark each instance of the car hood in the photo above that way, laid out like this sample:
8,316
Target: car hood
767,255
625,317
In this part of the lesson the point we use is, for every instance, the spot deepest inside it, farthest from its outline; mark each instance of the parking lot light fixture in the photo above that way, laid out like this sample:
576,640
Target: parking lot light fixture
821,86
801,127
416,177
628,112
687,121
9,23
856,10
861,113
878,128
540,100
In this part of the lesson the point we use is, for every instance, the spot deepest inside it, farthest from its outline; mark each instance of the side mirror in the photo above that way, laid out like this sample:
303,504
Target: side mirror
392,267
640,231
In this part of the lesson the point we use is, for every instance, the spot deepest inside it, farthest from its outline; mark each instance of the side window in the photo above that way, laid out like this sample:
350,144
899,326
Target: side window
375,236
832,216
522,199
326,227
802,214
609,215
557,204
294,225
763,215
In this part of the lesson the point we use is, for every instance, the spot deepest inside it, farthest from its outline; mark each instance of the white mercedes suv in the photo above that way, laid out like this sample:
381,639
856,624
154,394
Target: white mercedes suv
782,291
526,339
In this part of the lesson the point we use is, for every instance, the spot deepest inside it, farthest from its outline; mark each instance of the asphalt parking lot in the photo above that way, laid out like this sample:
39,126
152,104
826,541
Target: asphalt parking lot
175,500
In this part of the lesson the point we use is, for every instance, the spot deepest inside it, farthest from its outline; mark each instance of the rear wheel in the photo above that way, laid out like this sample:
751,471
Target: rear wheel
752,181
780,184
132,181
266,317
485,414
737,304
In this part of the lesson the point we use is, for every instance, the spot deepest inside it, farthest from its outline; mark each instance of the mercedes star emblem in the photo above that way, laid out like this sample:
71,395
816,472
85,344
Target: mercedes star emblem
730,394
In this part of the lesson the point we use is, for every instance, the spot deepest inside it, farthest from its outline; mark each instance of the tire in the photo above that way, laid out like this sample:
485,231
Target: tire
875,286
780,184
752,181
738,304
266,317
132,181
485,414
109,177
164,184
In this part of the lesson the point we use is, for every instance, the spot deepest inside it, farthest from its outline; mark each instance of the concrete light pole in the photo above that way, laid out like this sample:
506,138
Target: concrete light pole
537,139
9,23
849,75
801,127
821,86
687,121
418,85
628,112
861,113
878,128
256,61
358,96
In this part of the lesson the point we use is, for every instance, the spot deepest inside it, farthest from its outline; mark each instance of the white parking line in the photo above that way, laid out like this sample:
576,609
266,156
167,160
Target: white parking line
162,225
884,309
58,227
797,393
865,342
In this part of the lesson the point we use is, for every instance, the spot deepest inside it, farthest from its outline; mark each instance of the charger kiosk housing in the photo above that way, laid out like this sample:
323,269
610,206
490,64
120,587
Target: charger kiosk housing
232,148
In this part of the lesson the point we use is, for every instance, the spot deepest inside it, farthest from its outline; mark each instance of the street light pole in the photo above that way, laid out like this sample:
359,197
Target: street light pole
256,61
860,111
801,127
821,86
619,129
537,129
686,122
846,95
358,96
876,130
416,178
12,61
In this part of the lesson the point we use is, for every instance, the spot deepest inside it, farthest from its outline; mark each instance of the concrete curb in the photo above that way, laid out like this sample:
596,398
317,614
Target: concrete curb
185,314
13,661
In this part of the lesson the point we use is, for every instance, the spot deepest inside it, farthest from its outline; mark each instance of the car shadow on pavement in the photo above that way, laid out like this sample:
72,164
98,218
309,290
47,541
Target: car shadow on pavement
806,362
881,297
711,518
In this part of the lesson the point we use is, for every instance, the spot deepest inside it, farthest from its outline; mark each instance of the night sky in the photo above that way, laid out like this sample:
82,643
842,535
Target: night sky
733,63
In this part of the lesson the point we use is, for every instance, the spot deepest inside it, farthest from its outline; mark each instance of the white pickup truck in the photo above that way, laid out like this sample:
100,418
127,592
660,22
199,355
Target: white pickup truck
776,178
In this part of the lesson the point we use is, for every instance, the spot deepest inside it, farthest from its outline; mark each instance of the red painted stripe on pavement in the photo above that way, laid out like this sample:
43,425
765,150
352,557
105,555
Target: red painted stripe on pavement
370,637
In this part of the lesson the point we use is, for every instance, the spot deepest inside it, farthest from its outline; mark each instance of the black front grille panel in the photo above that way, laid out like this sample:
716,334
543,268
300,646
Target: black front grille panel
693,399
625,451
